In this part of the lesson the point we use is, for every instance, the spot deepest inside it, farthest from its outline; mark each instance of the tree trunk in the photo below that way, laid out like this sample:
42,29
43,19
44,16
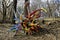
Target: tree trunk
50,13
14,7
26,7
4,10
15,4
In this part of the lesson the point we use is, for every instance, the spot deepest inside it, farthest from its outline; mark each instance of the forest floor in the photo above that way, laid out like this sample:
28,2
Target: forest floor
49,33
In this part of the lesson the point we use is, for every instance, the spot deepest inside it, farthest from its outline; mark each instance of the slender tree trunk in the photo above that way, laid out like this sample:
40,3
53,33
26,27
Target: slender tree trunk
50,13
4,10
26,7
15,4
14,7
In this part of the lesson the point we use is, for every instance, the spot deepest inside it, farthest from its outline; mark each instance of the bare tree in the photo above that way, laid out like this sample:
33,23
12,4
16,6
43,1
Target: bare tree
7,6
49,12
53,6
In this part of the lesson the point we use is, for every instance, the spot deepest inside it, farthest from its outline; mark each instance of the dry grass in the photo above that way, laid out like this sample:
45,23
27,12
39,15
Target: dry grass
50,34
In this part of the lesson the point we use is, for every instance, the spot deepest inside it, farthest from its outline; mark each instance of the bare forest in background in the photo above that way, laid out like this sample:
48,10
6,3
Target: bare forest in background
9,8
